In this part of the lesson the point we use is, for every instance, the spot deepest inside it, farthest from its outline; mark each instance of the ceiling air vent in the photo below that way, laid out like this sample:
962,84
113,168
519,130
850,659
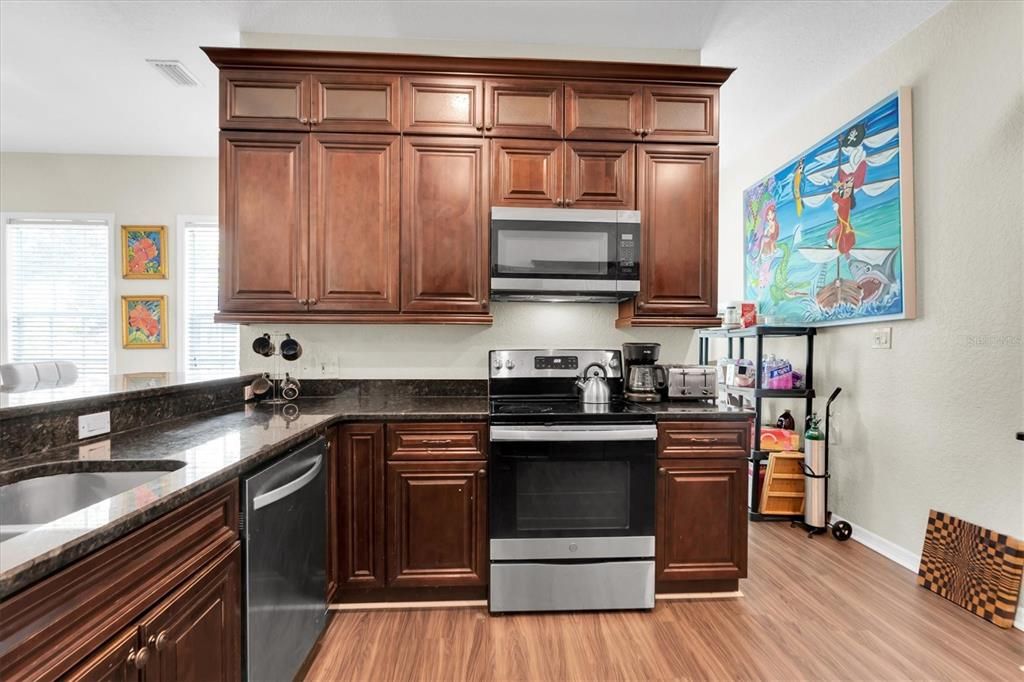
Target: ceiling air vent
175,71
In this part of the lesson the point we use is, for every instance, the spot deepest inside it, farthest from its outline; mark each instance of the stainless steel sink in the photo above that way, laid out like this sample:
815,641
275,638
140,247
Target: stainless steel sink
32,502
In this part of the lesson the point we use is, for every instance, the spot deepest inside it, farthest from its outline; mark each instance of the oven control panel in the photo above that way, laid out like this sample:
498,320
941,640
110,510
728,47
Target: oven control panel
560,363
556,362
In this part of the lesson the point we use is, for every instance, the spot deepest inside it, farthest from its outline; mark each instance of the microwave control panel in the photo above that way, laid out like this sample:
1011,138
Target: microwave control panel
629,244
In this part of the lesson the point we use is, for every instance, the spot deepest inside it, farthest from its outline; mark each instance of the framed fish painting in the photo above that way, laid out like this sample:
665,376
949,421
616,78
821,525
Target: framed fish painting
829,236
144,321
144,251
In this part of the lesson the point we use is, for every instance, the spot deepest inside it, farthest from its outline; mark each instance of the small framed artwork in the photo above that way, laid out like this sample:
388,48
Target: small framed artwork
144,251
144,321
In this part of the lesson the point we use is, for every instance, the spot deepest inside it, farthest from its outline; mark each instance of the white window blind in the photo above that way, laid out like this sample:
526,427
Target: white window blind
208,345
57,292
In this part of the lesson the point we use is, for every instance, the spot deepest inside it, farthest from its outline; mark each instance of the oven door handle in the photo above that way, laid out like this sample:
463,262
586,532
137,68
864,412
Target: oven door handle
589,433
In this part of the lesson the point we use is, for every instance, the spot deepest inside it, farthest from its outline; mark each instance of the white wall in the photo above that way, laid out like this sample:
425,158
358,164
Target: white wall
467,48
930,423
137,190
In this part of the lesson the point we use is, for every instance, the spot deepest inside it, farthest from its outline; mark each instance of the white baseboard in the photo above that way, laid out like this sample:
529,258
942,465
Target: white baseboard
905,558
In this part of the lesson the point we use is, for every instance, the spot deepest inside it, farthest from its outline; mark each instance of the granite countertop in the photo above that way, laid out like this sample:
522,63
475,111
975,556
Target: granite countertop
23,401
210,449
215,447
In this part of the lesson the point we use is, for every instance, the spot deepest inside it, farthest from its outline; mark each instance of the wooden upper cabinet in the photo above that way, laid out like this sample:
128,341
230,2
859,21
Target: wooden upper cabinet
701,520
678,187
196,633
355,103
444,225
600,175
527,172
680,114
442,105
264,100
603,111
523,108
437,523
354,220
264,184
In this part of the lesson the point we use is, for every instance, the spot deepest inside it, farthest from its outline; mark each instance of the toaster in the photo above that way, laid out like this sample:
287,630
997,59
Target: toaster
689,382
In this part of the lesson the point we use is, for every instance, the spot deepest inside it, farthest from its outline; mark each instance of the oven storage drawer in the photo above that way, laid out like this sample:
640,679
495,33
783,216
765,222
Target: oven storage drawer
459,441
709,439
532,549
576,587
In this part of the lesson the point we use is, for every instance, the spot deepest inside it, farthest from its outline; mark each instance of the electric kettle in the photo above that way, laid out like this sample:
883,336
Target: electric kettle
594,389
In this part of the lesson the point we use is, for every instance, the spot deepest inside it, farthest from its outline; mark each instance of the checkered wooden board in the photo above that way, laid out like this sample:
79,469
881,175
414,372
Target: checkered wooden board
973,567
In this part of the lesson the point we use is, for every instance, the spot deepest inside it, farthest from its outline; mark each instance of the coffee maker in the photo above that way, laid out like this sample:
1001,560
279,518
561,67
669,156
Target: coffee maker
645,380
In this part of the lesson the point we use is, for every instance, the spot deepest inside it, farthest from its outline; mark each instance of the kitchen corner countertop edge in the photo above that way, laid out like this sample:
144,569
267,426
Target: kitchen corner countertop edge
215,447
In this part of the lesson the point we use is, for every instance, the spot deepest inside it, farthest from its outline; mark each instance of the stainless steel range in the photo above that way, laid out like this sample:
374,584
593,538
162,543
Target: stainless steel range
571,486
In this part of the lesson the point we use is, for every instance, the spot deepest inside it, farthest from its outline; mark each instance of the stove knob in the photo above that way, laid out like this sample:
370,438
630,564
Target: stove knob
613,363
497,363
509,364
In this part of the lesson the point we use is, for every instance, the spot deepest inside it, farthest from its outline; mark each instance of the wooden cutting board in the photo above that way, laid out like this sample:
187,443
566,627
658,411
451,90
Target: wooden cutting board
973,567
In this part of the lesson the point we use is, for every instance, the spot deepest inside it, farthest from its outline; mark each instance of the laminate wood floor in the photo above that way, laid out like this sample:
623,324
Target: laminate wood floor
812,609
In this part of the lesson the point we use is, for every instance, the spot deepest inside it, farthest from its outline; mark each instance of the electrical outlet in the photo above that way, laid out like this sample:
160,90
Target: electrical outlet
90,425
881,337
98,450
248,394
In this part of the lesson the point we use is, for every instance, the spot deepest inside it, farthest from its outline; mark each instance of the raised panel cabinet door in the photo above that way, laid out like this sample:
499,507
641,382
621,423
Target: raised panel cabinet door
527,172
442,105
523,108
264,100
444,225
701,520
196,633
601,175
677,197
354,222
117,661
437,524
355,103
264,219
603,111
360,514
680,113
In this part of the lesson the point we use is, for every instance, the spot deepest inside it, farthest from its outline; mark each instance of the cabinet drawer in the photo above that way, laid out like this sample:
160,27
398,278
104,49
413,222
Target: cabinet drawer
703,439
437,441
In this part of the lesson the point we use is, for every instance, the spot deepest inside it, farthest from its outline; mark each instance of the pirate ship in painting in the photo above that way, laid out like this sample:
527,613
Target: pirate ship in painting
828,237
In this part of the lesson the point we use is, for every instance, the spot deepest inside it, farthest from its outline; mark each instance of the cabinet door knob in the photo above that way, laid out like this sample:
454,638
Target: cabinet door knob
662,470
568,202
482,472
558,201
303,301
489,127
303,120
648,131
159,640
638,131
138,659
312,301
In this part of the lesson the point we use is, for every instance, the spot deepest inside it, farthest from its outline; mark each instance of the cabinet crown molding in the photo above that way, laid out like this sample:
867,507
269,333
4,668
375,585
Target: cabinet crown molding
314,60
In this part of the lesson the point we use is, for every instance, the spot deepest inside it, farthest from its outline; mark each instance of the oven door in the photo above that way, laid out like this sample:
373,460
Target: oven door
555,250
572,491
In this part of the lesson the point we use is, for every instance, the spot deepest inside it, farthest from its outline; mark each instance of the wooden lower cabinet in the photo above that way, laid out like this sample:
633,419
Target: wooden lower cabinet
115,662
357,518
408,510
701,525
437,524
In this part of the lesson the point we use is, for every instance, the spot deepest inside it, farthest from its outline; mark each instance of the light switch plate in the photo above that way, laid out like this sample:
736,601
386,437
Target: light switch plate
881,337
95,424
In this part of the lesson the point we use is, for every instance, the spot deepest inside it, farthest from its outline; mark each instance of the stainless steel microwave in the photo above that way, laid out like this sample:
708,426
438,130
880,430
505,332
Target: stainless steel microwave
562,254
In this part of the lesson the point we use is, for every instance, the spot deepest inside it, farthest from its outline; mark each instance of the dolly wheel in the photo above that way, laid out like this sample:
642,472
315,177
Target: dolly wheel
842,531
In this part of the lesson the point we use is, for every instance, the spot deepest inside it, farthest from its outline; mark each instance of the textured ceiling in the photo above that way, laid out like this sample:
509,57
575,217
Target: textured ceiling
73,76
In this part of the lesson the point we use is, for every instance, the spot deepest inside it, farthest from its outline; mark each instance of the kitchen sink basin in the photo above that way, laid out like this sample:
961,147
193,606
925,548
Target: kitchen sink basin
32,502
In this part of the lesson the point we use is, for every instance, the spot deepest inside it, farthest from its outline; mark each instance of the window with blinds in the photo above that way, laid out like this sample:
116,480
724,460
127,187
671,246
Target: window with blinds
208,345
56,292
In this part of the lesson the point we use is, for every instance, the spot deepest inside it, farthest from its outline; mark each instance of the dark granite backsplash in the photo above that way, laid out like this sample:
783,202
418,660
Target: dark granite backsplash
40,431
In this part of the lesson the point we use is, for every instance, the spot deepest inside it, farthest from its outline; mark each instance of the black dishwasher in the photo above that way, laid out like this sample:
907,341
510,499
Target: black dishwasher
284,571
